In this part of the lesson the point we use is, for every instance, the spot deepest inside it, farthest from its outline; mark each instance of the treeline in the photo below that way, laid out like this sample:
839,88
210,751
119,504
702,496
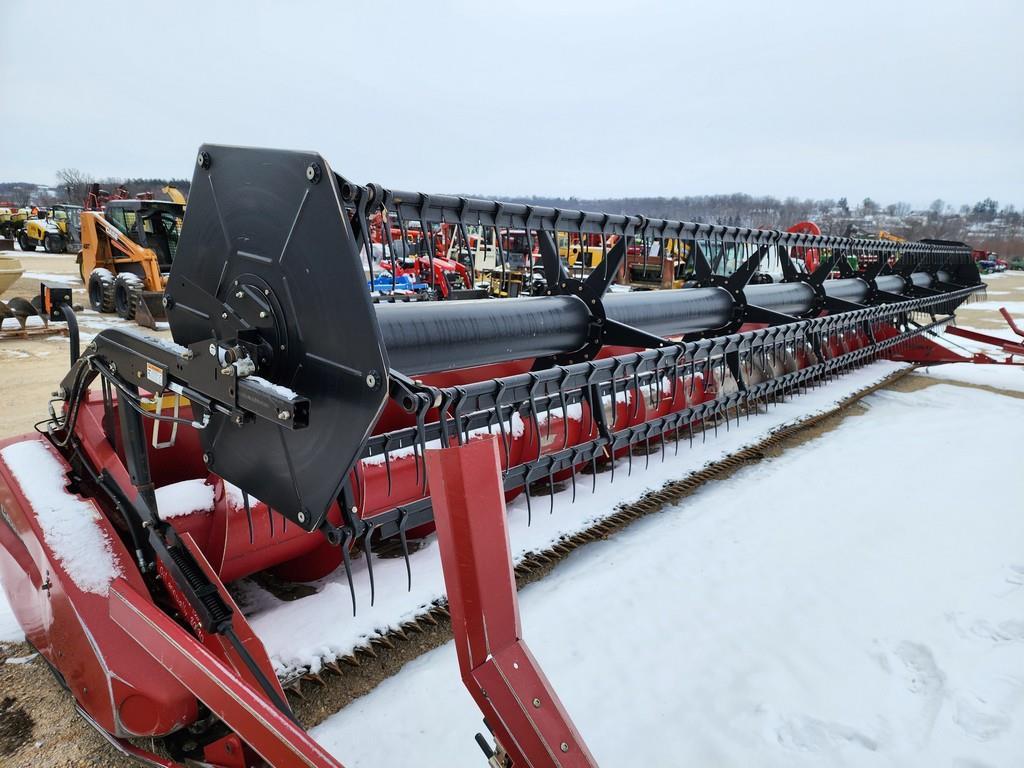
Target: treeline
984,224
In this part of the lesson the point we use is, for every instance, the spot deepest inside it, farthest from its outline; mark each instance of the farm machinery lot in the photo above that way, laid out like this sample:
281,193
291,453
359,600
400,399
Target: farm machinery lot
703,489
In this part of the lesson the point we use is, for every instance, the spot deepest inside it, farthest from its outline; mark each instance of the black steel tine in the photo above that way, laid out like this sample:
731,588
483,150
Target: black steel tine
636,393
387,461
403,522
248,516
551,488
346,560
369,559
572,475
270,517
421,440
629,454
565,409
593,474
529,509
533,413
505,441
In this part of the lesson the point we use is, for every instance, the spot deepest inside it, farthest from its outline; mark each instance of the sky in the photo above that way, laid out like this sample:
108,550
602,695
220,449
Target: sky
910,101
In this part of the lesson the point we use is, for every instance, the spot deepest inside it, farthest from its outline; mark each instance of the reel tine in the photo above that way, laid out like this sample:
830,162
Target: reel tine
370,528
504,437
572,475
346,560
248,517
270,517
593,473
403,522
636,393
387,462
505,442
529,509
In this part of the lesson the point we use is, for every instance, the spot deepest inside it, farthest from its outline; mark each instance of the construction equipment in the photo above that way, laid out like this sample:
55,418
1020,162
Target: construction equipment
45,306
174,194
127,252
12,221
285,380
58,232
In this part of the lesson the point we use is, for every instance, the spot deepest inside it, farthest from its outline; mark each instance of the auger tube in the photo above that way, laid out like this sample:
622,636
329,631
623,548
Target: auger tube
430,337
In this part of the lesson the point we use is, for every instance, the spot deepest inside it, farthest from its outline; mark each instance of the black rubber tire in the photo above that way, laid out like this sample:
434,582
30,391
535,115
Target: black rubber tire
127,294
101,290
53,243
25,241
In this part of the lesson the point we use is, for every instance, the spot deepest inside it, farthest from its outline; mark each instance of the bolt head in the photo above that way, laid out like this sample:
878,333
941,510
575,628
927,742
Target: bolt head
536,703
213,350
301,516
564,747
263,314
206,458
371,380
239,295
223,315
284,415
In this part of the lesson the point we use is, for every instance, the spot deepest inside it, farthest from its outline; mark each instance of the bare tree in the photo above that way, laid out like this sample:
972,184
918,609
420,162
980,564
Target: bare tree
74,183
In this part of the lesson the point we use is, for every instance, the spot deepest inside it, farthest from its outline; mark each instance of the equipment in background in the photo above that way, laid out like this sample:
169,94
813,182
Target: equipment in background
58,232
174,194
47,306
12,221
298,413
433,265
126,256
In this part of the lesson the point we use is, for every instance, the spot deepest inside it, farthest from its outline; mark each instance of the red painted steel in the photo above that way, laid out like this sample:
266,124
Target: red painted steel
518,702
116,682
1010,321
278,740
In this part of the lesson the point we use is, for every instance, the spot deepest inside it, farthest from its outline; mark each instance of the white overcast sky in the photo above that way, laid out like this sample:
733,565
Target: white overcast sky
897,100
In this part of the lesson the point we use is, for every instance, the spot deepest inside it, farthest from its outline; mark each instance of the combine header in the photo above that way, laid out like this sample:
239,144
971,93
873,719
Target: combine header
124,519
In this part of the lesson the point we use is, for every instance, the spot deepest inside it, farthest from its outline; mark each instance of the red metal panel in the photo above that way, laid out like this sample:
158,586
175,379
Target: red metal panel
501,674
277,739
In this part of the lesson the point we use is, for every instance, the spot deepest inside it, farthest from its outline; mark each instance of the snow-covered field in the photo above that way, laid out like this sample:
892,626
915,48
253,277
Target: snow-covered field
784,617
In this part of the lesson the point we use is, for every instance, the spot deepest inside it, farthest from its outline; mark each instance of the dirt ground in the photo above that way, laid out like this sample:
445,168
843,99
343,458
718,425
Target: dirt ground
38,723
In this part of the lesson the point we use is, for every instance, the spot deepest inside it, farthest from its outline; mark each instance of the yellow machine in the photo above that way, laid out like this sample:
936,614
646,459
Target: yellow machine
127,250
58,232
883,235
12,221
661,265
174,193
583,253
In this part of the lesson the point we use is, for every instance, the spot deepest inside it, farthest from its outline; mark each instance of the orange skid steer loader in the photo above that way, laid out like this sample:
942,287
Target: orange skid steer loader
127,250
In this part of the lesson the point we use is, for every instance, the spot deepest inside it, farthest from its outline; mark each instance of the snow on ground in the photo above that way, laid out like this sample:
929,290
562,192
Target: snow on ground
305,632
71,280
1009,377
781,617
1013,307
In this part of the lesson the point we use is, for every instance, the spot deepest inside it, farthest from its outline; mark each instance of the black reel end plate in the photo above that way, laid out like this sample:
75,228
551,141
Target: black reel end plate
267,261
